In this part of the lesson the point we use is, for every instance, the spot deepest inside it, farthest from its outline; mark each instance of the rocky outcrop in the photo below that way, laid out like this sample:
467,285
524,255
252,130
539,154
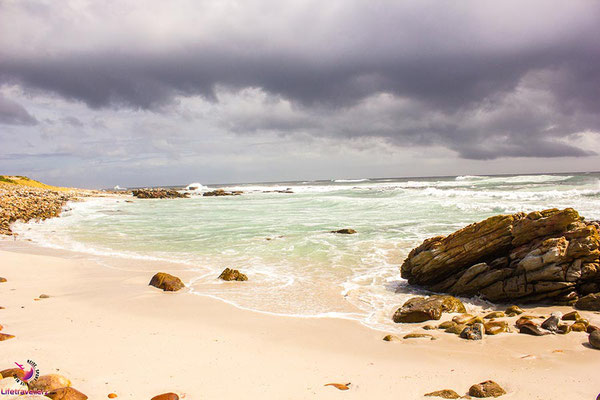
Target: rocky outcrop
345,231
222,192
420,309
551,256
158,194
229,274
19,203
166,282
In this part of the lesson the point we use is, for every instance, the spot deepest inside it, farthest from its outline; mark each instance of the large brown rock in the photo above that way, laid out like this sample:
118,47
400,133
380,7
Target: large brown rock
166,282
546,256
419,309
158,194
66,393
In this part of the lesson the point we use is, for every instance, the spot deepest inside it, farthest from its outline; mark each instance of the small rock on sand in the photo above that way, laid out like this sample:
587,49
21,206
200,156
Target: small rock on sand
166,396
5,336
50,382
486,389
2,280
594,339
166,282
229,274
444,394
44,296
66,393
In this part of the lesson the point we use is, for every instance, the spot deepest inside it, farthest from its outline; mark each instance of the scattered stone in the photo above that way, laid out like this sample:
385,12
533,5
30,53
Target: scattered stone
523,320
345,231
166,282
495,327
44,296
551,324
2,280
544,256
50,382
166,396
591,302
563,329
474,332
232,275
495,314
456,329
66,393
339,386
420,309
5,336
462,319
594,339
447,324
419,336
578,327
530,328
158,194
486,389
444,394
571,316
592,328
513,311
222,192
391,338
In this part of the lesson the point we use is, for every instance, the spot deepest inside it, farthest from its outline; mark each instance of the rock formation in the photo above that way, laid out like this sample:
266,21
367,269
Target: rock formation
420,309
550,256
158,194
222,192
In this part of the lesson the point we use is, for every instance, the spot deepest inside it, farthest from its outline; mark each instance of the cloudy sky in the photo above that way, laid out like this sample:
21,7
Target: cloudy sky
154,92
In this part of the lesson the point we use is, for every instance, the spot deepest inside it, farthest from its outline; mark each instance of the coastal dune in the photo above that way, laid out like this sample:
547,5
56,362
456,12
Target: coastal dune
109,332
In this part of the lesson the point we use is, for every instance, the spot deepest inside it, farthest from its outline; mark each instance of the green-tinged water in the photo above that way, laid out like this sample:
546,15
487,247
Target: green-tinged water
283,242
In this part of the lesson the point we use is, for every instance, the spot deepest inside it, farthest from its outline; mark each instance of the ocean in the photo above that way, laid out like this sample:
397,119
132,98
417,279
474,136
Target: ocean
283,241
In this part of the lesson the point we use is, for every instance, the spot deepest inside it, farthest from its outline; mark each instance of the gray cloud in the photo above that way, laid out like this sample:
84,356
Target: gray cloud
12,113
482,79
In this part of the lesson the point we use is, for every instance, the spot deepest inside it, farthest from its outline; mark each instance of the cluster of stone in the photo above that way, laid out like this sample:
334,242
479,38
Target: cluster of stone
23,203
158,194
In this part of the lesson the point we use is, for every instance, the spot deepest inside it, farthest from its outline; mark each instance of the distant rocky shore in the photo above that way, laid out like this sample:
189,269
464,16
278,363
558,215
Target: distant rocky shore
24,203
550,256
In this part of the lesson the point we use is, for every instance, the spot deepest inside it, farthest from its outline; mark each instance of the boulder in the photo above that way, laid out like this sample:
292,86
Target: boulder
563,329
594,339
222,192
166,282
345,231
591,302
495,314
444,394
592,328
571,316
578,327
530,328
548,256
456,329
486,389
66,393
420,309
232,275
12,372
2,280
166,396
514,310
49,382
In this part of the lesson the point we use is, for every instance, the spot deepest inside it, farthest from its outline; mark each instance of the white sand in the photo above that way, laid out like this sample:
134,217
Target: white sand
108,331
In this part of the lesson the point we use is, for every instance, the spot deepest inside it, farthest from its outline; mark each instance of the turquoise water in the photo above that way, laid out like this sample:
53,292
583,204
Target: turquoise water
283,241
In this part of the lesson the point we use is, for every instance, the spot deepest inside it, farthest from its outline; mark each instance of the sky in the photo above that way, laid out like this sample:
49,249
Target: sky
154,92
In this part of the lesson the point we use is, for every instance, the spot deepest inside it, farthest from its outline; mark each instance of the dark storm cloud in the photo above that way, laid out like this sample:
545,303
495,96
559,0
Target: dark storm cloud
12,113
449,64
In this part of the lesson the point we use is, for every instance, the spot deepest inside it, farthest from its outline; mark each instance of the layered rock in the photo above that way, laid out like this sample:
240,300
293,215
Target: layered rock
420,309
222,192
551,255
158,194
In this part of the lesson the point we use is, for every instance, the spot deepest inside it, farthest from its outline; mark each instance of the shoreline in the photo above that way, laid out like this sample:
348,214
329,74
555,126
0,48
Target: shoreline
196,345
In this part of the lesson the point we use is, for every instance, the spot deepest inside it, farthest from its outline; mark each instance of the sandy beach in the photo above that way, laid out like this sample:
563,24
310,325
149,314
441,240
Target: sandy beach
109,332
